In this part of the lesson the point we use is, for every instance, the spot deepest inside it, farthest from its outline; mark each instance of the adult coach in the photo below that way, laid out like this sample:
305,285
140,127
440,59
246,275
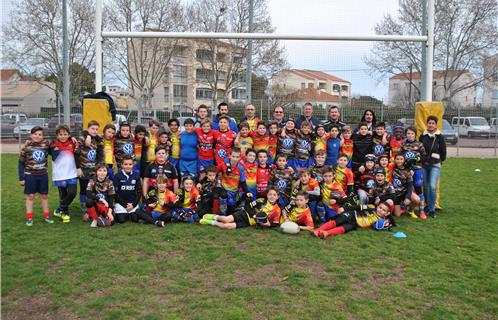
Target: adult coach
223,111
279,116
333,119
202,113
250,117
307,116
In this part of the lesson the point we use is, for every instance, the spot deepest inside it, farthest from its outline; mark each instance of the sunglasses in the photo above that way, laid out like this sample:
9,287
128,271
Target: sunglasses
278,112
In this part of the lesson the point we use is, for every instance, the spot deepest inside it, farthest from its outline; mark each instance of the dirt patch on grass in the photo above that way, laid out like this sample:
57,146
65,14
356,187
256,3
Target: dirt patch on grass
39,307
369,287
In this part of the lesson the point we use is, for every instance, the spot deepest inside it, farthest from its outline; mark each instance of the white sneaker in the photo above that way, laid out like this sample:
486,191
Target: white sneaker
93,224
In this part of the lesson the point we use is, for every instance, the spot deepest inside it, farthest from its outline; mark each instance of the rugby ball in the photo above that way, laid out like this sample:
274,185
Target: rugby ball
290,227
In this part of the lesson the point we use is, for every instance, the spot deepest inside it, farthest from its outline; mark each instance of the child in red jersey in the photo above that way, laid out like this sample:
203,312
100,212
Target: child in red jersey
309,185
344,175
396,141
272,142
347,144
205,146
260,137
161,202
263,174
233,180
243,141
251,168
299,213
224,139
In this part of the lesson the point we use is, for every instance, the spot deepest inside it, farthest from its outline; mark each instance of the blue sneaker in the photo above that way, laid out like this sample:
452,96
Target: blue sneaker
29,222
49,220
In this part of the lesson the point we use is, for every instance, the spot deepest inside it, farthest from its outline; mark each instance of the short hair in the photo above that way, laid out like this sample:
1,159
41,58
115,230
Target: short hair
320,153
251,150
432,117
334,126
162,132
99,166
109,126
161,179
328,169
261,123
303,171
342,155
411,128
188,177
302,194
224,117
278,107
204,121
333,107
210,168
307,104
281,155
62,127
202,106
126,157
221,105
346,129
140,128
36,129
236,150
170,121
243,124
400,154
160,148
189,121
273,123
380,124
362,124
305,124
273,189
261,151
154,122
92,123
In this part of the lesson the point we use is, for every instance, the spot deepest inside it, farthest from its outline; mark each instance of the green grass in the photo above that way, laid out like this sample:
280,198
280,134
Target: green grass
445,269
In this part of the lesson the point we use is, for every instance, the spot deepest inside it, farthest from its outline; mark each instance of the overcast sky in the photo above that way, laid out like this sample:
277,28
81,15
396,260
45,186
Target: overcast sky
342,59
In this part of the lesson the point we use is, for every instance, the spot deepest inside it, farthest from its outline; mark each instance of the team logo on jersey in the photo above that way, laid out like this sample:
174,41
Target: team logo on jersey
133,181
409,155
92,154
38,156
222,153
378,149
305,144
287,143
281,184
370,183
153,171
397,183
128,148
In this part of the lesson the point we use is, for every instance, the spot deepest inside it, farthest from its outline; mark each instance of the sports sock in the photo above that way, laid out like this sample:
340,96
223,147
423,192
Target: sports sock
92,213
421,207
29,215
46,214
334,232
327,225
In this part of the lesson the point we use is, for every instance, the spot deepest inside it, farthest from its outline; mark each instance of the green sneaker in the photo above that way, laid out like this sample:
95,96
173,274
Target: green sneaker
49,220
57,213
29,222
205,221
65,218
208,216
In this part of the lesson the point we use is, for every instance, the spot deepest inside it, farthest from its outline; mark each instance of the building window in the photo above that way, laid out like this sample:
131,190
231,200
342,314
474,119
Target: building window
221,76
322,85
179,73
166,94
204,54
238,59
179,52
494,94
495,76
238,93
180,91
303,85
336,87
395,86
204,75
220,57
311,84
203,93
166,76
344,88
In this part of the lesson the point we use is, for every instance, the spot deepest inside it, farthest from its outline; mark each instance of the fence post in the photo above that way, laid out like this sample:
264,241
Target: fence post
496,127
458,132
382,111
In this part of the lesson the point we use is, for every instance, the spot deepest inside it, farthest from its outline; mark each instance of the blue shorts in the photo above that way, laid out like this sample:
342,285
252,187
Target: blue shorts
188,168
36,184
232,198
301,164
174,161
64,183
202,165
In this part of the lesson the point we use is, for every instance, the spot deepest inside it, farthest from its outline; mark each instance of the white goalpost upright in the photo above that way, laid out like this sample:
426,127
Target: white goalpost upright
428,39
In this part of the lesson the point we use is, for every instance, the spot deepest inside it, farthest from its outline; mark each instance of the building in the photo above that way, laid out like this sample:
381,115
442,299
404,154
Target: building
198,72
404,88
119,95
19,93
289,81
490,93
318,98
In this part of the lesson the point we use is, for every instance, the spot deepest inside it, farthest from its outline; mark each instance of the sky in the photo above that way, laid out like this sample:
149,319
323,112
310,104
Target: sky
321,17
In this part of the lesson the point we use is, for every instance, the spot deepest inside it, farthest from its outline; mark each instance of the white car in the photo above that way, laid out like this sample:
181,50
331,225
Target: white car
23,130
471,126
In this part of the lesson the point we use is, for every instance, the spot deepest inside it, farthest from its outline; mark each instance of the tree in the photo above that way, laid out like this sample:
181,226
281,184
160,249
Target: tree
466,31
34,43
81,82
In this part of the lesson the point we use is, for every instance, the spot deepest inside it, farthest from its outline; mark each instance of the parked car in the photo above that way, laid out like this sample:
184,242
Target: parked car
119,119
450,134
23,130
406,122
8,125
75,124
494,126
16,117
144,121
471,126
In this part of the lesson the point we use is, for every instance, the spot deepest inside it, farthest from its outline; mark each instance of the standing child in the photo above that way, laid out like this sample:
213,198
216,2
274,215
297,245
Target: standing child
272,142
318,166
33,174
320,139
224,139
347,144
260,137
100,198
108,147
233,180
174,137
303,148
153,139
380,139
343,175
140,150
263,174
282,178
188,197
163,141
243,141
251,168
287,141
161,166
333,145
124,144
188,150
64,173
300,213
396,141
128,191
205,146
362,145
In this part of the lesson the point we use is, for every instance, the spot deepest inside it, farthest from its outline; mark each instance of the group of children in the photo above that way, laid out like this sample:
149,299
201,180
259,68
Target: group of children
261,176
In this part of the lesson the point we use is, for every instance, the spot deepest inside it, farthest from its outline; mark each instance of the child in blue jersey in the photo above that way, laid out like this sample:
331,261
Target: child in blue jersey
333,146
188,150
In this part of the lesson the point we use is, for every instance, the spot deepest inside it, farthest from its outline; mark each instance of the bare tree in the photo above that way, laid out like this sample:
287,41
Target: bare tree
141,63
34,39
466,31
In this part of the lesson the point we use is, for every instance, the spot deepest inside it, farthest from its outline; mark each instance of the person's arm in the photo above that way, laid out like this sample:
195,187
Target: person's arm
119,198
112,194
145,187
442,148
21,165
409,189
314,192
138,194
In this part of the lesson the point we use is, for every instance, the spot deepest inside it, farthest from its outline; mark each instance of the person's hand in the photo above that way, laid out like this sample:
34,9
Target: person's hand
361,169
88,141
104,202
74,140
198,198
377,201
129,207
147,140
152,205
110,216
22,182
332,201
79,172
412,173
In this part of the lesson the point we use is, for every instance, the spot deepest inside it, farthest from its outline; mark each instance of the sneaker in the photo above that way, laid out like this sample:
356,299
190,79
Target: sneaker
49,220
93,224
205,221
57,213
432,214
29,222
412,214
160,223
423,216
66,218
208,216
86,217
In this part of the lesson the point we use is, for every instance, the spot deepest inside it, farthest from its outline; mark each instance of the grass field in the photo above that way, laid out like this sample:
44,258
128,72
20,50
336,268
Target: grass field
445,269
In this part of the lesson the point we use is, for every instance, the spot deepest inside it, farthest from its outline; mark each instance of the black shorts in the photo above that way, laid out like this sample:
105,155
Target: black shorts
36,184
240,218
399,198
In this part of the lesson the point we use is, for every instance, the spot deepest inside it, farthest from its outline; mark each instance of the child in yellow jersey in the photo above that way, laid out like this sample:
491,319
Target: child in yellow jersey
153,140
347,144
344,175
188,197
174,137
331,191
320,140
108,148
243,140
161,201
300,213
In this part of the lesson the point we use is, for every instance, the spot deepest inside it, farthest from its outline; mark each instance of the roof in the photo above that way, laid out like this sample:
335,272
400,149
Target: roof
311,94
19,89
435,75
316,75
6,74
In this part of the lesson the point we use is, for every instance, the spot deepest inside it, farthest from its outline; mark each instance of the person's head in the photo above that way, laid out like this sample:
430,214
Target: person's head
342,160
363,128
320,130
334,113
205,125
383,160
250,155
202,112
163,137
244,129
250,111
154,125
308,109
369,161
223,123
127,163
62,132
101,171
346,132
37,134
290,124
109,131
380,128
306,127
383,209
368,116
93,128
380,175
302,199
261,128
272,195
328,174
140,132
304,175
334,131
411,133
223,108
189,125
188,183
161,155
235,155
398,132
174,125
278,113
273,128
124,130
399,160
281,161
262,157
432,123
211,173
161,182
320,156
